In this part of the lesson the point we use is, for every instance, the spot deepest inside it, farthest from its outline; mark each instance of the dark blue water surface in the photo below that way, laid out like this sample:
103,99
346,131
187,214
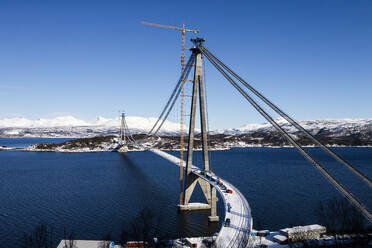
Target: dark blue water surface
99,193
24,142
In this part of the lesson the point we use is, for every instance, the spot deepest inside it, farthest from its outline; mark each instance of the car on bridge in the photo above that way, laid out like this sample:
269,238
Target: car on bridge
227,222
228,207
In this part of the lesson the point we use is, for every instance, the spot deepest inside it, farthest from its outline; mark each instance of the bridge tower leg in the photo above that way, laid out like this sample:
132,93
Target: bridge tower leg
122,147
190,179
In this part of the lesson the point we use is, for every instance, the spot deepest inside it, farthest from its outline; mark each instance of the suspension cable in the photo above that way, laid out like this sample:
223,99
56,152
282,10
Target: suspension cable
207,115
293,122
348,195
129,135
186,74
172,95
175,94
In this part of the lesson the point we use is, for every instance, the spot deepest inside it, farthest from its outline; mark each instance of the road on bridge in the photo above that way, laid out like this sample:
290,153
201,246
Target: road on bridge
236,208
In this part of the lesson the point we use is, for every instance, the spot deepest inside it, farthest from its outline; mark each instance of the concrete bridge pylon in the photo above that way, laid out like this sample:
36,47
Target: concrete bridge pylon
191,180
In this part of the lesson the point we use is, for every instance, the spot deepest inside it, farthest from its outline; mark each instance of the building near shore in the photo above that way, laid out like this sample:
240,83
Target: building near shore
299,233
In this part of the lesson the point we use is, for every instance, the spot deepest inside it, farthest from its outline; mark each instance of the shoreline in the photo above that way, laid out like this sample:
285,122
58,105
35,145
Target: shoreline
83,150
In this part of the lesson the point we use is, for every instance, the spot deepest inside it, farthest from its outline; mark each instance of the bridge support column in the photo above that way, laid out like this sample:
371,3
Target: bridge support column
213,217
190,179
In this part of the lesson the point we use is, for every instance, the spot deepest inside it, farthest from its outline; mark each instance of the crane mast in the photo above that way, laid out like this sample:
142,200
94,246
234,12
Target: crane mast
183,32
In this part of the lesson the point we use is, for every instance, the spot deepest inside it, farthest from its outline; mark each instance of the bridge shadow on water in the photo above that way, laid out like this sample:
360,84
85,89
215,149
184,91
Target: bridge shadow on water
239,214
157,186
152,190
160,185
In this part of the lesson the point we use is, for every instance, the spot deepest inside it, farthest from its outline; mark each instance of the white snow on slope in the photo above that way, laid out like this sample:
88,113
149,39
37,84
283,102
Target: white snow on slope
134,122
330,124
71,126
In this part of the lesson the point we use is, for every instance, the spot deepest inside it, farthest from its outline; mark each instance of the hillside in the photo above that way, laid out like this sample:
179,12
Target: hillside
342,132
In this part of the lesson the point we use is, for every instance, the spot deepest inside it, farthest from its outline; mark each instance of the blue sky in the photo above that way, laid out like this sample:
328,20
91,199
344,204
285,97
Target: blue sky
92,58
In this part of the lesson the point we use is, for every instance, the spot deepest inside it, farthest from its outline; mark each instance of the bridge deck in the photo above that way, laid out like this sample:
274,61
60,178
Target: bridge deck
238,232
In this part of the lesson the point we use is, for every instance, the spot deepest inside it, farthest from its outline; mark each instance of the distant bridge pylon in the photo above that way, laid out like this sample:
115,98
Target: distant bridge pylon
125,138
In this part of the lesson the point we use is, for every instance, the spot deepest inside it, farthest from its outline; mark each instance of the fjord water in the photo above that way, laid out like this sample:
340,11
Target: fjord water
98,193
24,142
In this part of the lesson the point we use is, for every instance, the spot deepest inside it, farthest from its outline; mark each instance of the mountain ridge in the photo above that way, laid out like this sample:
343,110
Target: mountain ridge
69,126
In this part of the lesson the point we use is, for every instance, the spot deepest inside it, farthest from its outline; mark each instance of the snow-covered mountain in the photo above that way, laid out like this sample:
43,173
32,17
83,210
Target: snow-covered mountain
70,121
68,126
335,126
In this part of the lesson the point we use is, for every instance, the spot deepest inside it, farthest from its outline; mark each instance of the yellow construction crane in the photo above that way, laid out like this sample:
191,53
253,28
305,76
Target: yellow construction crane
183,31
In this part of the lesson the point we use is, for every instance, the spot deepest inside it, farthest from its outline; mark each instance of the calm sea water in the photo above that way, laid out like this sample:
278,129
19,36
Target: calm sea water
98,193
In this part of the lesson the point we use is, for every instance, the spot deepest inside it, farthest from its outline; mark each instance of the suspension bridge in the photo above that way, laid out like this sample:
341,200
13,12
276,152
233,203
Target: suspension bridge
238,222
